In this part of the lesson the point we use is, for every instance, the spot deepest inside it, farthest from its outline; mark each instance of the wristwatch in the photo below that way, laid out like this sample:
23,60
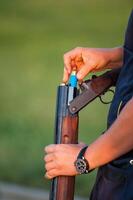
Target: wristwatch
81,164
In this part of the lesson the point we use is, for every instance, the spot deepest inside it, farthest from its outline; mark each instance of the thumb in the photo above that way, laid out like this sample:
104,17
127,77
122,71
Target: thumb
83,72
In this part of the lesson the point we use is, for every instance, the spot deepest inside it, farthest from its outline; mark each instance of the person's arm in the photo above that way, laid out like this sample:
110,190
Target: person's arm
117,141
88,60
60,158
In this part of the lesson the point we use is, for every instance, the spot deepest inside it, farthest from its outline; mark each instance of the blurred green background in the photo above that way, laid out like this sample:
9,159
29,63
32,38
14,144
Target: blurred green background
34,35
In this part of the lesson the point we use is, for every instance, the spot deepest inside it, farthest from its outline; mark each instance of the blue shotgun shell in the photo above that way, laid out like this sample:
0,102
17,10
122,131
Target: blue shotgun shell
73,79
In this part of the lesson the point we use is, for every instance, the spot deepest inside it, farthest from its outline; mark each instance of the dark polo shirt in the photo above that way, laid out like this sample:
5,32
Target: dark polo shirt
115,180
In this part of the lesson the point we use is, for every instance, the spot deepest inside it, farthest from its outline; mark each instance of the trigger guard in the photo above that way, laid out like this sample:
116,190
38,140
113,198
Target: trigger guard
106,102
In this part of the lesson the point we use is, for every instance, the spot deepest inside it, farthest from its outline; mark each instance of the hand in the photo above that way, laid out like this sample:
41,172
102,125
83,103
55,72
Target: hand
87,60
60,158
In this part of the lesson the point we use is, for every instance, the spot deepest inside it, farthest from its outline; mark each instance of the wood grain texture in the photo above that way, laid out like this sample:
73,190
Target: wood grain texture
66,184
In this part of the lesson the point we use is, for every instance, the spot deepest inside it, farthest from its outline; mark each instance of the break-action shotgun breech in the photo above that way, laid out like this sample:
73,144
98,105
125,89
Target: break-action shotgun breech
69,103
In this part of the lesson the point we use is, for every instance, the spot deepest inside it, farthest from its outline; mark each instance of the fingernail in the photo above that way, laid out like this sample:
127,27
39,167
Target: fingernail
79,75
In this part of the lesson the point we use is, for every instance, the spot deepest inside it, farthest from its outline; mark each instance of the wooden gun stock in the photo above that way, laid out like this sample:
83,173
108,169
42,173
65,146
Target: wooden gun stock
65,188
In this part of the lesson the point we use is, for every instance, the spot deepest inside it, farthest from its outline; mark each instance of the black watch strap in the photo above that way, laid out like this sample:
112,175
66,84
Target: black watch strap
82,152
81,164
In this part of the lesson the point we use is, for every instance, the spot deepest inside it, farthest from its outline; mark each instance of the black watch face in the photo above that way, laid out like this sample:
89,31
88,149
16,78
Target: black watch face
81,166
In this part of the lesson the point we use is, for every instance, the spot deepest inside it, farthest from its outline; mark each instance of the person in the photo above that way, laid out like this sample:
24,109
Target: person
111,152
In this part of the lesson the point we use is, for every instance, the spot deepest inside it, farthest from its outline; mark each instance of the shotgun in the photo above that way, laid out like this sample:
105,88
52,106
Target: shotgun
69,103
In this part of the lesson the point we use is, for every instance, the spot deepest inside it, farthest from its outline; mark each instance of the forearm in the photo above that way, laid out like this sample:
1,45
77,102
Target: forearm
117,140
115,58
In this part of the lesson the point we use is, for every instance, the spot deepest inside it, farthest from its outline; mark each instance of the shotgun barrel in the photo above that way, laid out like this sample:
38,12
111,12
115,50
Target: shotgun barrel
66,132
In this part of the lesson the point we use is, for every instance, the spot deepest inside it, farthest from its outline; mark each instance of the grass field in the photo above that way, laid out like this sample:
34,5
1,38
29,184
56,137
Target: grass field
33,37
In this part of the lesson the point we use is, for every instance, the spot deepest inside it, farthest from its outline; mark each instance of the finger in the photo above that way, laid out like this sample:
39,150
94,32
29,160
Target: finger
67,63
50,148
70,57
65,75
51,174
48,157
96,70
83,72
73,55
50,165
79,62
47,176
